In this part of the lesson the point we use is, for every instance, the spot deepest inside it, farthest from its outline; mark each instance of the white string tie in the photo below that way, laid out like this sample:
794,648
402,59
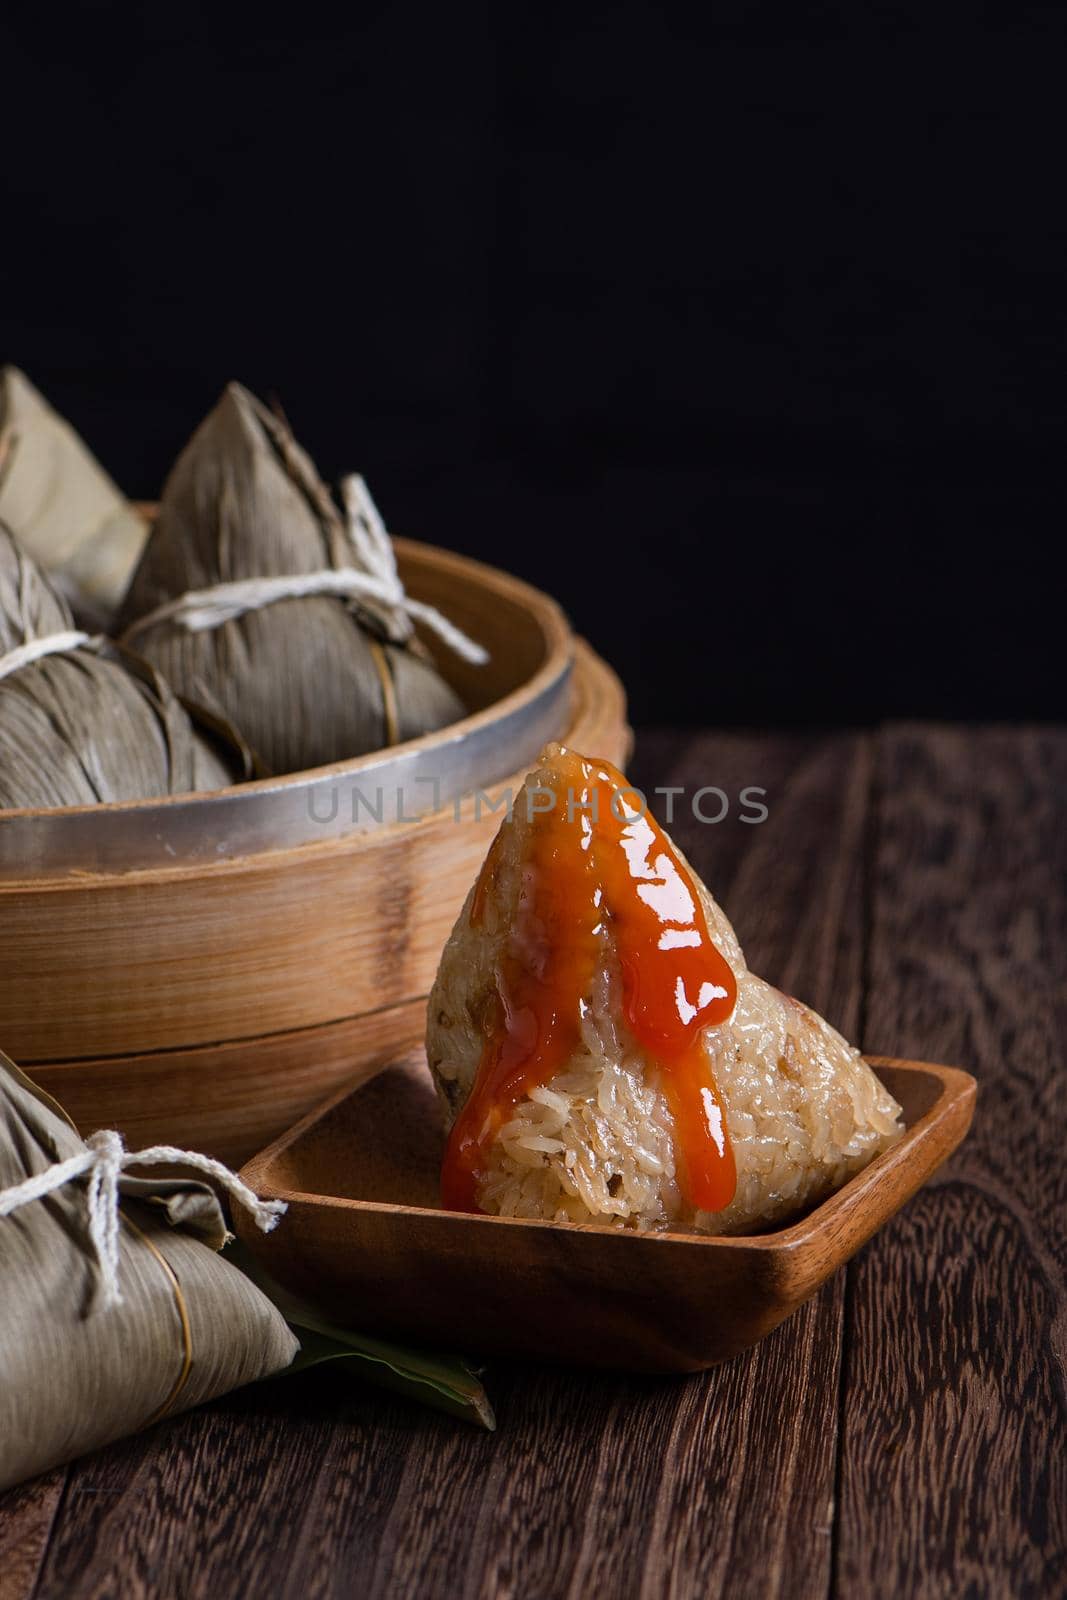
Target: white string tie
52,644
103,1161
376,579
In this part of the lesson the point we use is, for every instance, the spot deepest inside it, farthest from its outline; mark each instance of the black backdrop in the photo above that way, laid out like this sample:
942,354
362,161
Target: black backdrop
745,335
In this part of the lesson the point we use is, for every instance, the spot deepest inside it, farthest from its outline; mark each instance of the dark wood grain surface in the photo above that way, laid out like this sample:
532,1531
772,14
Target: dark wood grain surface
904,1434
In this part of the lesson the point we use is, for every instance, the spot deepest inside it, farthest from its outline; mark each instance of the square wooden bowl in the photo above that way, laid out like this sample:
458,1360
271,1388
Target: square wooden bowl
365,1240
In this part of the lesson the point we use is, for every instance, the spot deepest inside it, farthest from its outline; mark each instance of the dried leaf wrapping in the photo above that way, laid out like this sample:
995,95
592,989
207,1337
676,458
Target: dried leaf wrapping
93,724
74,1377
302,678
62,506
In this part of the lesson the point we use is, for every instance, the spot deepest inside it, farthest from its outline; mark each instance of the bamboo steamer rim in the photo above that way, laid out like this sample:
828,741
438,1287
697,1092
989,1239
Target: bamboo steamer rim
484,748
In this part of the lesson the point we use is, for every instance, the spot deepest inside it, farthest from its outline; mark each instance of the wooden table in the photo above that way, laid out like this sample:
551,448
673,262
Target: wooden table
903,1435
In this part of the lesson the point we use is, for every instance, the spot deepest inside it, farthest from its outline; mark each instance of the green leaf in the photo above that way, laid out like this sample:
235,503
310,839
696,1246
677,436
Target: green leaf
448,1383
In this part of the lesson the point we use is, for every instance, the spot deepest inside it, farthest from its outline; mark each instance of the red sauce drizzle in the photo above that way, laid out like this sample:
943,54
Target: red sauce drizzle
597,855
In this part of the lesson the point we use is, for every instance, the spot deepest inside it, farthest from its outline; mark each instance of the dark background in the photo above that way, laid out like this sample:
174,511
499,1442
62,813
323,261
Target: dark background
744,335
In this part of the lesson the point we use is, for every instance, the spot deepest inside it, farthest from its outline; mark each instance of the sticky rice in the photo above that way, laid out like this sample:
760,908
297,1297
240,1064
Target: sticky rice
596,1144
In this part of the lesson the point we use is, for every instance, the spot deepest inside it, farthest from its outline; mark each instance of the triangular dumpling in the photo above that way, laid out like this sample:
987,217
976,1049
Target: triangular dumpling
62,506
602,1050
307,681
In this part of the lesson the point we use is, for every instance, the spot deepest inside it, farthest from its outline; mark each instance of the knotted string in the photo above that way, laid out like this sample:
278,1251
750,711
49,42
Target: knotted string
104,1160
376,579
51,644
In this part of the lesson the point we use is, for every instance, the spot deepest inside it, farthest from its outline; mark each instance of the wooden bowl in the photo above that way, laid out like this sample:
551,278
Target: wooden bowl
365,1240
201,971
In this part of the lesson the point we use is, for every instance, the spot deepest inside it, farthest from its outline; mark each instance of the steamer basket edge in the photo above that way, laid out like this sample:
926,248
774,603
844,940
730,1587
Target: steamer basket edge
518,702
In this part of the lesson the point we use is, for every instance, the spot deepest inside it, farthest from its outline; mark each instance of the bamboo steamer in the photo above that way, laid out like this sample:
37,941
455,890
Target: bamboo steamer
203,970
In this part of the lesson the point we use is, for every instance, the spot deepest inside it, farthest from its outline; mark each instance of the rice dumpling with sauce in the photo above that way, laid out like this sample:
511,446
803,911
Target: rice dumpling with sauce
255,596
62,506
83,721
602,1051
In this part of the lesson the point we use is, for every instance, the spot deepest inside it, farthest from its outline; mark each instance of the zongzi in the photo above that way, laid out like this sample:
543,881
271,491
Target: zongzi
62,506
255,597
115,1308
82,720
603,1053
